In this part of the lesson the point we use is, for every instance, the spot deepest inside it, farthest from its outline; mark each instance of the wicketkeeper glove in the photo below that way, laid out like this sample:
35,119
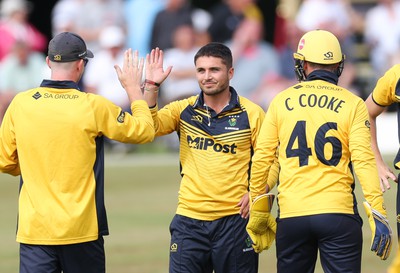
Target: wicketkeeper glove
262,225
381,232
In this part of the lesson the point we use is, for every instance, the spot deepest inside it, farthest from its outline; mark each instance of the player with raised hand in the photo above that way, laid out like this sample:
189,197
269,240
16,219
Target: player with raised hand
52,136
217,132
322,131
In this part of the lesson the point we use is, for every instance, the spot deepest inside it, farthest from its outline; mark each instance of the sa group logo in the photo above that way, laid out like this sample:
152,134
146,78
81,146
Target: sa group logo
36,96
205,143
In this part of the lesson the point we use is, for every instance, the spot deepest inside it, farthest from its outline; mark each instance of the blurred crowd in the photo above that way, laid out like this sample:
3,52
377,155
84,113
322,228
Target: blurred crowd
368,30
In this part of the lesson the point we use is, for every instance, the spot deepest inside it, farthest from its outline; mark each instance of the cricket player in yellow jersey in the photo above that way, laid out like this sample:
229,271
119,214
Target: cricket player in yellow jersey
52,137
217,131
322,131
386,93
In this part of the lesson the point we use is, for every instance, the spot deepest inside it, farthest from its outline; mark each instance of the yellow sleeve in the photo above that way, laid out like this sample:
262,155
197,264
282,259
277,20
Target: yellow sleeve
264,160
384,93
273,176
166,120
135,128
363,159
9,162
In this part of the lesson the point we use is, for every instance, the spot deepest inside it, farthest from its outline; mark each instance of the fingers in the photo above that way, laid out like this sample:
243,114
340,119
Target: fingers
127,59
167,71
155,57
385,185
118,70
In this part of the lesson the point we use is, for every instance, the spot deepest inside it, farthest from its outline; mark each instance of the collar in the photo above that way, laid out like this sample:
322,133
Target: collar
60,84
233,102
323,75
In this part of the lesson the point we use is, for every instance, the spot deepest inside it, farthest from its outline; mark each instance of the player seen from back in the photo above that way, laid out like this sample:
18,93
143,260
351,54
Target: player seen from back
52,137
322,131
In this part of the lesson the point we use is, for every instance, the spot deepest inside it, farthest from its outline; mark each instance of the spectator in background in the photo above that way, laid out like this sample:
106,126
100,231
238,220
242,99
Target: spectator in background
201,20
182,81
99,77
175,13
382,34
87,18
254,58
227,15
272,84
291,36
15,26
20,70
139,16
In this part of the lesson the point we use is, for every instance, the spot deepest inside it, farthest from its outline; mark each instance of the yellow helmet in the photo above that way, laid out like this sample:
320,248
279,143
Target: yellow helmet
318,46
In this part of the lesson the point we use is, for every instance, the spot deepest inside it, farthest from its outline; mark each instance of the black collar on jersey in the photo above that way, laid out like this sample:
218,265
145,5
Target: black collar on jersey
233,103
60,84
323,75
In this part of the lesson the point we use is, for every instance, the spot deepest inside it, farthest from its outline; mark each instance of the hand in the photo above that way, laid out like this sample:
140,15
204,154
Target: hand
381,232
262,225
244,205
154,66
385,173
130,76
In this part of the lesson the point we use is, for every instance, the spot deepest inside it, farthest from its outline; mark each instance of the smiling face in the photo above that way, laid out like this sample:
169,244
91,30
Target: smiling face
213,75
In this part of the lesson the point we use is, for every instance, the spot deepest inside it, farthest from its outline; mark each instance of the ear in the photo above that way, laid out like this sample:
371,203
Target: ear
48,62
231,72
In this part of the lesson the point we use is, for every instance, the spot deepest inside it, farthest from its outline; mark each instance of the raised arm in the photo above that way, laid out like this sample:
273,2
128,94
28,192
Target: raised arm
130,75
155,75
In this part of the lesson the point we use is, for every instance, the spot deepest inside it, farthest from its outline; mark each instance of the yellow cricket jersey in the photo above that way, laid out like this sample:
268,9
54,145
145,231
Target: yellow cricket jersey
53,137
322,131
387,92
215,152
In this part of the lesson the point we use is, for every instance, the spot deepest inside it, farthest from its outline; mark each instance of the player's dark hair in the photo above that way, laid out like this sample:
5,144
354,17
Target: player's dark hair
217,50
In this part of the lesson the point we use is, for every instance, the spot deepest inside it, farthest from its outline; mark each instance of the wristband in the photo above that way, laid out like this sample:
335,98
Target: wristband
149,90
152,82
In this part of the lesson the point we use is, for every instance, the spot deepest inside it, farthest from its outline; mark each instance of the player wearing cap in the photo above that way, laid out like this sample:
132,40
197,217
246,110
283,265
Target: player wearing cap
52,136
322,131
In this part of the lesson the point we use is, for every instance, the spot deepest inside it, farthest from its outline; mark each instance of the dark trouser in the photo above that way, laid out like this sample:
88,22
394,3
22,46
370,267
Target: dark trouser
222,245
86,257
398,208
338,238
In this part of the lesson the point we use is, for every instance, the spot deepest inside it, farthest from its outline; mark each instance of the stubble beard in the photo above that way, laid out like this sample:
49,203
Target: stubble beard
215,91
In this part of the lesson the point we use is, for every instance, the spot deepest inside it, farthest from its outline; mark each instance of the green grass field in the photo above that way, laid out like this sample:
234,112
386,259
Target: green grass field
141,197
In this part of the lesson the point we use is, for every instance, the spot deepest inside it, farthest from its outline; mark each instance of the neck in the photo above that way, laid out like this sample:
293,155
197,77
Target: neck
219,101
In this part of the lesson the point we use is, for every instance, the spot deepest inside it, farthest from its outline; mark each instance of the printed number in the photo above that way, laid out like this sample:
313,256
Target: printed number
303,151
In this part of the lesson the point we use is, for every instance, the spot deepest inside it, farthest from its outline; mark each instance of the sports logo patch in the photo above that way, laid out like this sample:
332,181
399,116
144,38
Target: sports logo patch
232,121
197,118
121,117
248,245
367,124
302,43
328,55
174,247
36,96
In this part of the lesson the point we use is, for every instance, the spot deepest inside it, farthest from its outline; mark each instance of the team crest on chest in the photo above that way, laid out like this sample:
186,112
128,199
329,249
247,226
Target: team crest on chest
232,121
